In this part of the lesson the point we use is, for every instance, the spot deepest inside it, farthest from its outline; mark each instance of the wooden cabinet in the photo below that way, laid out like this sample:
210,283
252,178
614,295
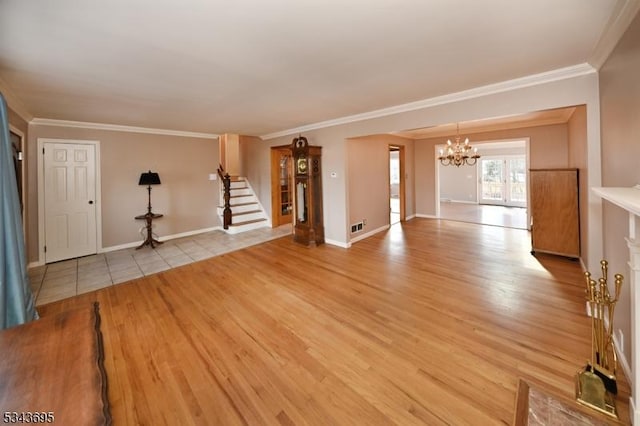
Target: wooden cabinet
555,218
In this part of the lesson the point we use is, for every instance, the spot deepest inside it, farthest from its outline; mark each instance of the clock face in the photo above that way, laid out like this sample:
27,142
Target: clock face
302,165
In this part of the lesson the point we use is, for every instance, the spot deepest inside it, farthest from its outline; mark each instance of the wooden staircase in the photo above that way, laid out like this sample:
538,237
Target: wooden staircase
246,211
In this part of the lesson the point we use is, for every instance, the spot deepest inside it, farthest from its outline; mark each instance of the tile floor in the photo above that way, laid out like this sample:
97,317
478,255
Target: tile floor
68,278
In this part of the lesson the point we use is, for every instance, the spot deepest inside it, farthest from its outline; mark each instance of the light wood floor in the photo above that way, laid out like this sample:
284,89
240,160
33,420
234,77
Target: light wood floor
485,214
432,322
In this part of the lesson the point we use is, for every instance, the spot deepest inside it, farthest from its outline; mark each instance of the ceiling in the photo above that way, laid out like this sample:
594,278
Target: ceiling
255,67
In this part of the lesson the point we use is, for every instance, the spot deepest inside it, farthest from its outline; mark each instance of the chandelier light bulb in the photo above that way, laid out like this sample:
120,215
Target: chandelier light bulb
457,154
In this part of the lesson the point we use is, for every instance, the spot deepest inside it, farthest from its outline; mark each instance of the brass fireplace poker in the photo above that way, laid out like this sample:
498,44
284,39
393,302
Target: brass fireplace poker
596,384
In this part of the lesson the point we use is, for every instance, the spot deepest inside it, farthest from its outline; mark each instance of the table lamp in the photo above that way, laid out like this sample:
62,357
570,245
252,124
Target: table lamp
149,178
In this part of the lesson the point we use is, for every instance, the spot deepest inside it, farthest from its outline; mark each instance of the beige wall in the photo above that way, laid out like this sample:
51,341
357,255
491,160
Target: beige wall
577,138
230,154
620,118
548,148
333,187
246,160
186,197
368,180
577,90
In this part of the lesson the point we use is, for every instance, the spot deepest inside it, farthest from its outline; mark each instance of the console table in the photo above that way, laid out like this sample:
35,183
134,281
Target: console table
53,370
149,241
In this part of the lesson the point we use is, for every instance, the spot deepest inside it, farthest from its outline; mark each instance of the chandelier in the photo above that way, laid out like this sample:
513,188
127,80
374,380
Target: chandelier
458,154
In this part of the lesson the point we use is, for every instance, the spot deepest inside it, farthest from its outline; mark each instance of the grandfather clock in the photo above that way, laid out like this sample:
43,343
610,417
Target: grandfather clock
308,224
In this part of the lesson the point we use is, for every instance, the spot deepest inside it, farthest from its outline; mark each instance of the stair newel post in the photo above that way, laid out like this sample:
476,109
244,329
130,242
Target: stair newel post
226,181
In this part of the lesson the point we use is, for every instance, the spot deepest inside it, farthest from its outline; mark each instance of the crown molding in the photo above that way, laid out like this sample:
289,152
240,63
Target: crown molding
621,18
490,89
120,128
14,102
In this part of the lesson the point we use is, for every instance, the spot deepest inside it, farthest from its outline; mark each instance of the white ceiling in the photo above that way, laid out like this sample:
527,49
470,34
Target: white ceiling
257,67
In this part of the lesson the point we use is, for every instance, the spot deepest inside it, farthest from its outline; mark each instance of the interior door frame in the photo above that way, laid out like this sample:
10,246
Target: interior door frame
41,210
23,196
401,172
436,162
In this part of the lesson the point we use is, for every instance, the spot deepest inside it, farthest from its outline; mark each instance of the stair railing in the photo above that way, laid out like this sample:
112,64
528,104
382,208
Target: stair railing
226,186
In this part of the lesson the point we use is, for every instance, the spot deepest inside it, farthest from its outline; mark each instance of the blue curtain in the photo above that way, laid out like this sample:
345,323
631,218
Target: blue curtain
16,298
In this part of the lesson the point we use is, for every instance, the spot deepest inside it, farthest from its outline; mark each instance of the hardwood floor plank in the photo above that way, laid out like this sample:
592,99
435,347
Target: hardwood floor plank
431,322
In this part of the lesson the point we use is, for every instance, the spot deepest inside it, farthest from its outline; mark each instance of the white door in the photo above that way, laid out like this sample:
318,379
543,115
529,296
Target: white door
69,200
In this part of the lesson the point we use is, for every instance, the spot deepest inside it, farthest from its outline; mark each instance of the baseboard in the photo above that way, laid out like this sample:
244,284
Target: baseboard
337,243
426,216
370,233
622,360
458,201
165,238
634,414
120,247
408,218
34,264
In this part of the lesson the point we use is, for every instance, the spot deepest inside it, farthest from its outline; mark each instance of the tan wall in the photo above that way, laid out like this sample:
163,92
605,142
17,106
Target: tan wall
333,188
368,180
231,152
620,113
246,161
577,137
548,148
186,197
567,92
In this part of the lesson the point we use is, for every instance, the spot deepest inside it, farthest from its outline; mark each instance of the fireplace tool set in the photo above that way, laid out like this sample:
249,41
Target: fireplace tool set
596,385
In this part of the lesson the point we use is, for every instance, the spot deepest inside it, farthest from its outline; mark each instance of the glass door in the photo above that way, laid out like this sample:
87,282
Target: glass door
492,182
503,181
286,199
281,185
517,182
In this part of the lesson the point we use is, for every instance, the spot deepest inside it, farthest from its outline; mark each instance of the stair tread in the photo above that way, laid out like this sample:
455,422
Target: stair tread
248,222
246,201
246,213
243,204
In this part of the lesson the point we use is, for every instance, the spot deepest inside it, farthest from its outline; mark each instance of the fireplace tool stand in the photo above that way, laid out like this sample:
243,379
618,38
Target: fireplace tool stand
596,385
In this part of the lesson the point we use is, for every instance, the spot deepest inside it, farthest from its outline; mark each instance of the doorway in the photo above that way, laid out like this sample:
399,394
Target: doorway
503,180
396,184
68,196
281,186
492,192
17,143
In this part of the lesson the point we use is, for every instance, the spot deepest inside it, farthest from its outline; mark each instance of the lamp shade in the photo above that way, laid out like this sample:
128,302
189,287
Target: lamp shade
149,178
